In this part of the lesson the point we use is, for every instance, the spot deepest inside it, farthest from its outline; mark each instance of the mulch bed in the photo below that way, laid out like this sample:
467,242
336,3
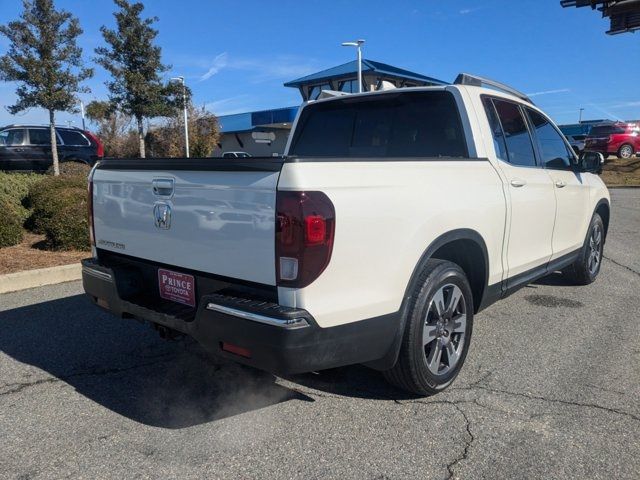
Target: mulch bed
30,254
619,172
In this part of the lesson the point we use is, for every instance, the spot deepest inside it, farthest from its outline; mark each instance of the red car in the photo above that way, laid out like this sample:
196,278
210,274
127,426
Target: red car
621,139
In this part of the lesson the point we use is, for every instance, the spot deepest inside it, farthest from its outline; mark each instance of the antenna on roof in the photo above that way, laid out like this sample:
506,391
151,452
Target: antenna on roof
476,81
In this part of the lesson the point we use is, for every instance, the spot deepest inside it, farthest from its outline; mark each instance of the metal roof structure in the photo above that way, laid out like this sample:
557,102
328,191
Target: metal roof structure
624,15
351,68
245,122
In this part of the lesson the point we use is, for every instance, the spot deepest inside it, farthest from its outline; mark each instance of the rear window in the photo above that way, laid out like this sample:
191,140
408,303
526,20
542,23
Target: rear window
70,137
419,124
604,130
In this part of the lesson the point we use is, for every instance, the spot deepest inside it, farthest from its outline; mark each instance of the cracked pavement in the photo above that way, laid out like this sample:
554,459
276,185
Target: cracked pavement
551,388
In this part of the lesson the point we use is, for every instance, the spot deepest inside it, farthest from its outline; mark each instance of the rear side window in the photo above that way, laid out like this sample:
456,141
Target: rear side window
604,130
516,134
14,136
70,137
553,149
419,124
499,141
39,136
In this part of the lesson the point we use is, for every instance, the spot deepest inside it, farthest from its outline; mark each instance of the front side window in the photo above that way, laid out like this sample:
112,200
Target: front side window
15,136
420,124
39,136
516,134
553,149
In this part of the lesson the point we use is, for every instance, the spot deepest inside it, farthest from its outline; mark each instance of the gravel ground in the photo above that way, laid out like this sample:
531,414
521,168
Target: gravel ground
550,389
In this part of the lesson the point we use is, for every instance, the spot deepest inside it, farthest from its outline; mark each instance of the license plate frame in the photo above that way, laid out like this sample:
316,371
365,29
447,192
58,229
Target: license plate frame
177,287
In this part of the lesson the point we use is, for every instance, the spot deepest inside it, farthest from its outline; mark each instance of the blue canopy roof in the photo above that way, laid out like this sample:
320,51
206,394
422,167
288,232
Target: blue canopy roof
368,66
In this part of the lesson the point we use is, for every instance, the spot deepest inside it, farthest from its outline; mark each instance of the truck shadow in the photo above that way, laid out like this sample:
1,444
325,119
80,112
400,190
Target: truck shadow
127,368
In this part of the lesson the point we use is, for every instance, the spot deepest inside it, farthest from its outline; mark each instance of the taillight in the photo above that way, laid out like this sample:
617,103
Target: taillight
92,235
96,140
305,227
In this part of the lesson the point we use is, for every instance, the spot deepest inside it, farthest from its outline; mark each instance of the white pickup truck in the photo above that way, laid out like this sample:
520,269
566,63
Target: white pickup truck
393,218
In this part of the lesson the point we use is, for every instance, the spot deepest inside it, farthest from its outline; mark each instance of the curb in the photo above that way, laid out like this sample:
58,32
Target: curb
12,282
620,187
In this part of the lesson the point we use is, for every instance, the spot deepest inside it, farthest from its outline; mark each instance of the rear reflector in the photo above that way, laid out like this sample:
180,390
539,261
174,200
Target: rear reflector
236,350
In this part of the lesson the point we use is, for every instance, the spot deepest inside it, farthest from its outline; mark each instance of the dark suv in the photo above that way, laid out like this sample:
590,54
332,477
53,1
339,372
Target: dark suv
28,147
621,139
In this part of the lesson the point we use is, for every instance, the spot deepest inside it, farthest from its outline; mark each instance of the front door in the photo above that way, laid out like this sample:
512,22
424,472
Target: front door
12,155
529,190
39,149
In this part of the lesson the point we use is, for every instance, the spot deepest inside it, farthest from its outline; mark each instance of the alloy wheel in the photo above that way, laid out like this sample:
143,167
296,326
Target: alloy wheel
595,250
626,151
445,327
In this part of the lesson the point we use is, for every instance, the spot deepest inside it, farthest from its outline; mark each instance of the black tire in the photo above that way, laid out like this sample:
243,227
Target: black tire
586,268
412,371
626,151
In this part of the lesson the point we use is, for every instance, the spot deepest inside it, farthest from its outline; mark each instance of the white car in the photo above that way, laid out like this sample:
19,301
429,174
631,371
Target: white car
235,155
393,218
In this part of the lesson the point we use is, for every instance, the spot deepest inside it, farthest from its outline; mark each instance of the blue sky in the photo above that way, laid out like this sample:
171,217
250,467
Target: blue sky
236,55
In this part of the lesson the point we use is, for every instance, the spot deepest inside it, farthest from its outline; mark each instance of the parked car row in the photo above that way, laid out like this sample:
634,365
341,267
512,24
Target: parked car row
609,138
28,147
618,138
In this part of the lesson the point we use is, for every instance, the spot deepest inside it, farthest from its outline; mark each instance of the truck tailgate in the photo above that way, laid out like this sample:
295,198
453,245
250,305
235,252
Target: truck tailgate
208,215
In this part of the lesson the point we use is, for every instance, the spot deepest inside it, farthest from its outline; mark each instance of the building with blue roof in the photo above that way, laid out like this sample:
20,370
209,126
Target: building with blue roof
265,133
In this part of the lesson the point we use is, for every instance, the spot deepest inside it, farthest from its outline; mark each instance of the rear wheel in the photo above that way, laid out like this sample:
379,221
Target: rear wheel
586,268
437,331
625,151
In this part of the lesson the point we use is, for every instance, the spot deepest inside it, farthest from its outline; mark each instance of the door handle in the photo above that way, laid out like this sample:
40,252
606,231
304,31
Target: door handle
516,182
163,187
561,184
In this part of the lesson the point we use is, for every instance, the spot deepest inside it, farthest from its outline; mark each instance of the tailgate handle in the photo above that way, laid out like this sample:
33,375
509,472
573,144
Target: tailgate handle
163,187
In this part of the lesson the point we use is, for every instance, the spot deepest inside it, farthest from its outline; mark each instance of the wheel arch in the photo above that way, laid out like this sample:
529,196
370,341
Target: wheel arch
463,246
604,210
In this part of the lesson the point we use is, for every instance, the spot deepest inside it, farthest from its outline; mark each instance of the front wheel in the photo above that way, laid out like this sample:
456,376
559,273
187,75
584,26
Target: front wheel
586,268
437,330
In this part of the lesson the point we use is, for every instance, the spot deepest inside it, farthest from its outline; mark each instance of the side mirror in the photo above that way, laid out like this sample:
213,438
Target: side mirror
591,162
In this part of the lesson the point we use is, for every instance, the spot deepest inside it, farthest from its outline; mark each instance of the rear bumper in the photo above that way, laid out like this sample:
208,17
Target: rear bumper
270,337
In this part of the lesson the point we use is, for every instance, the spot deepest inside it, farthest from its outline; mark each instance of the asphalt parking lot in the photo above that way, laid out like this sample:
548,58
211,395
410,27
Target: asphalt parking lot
551,388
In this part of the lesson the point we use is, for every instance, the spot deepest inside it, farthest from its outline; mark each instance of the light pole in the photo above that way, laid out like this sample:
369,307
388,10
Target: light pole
84,127
580,118
184,103
358,45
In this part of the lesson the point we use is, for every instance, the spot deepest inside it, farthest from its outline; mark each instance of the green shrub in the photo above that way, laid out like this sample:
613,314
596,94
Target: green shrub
72,169
47,187
11,222
17,185
64,221
60,212
20,209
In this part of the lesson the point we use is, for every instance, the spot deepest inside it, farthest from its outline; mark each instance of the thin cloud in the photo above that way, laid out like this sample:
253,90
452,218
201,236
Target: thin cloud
219,63
261,69
467,11
549,92
625,105
229,105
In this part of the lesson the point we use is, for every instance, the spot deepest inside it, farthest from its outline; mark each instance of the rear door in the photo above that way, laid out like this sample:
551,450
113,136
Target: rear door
211,215
571,189
530,190
12,150
38,149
